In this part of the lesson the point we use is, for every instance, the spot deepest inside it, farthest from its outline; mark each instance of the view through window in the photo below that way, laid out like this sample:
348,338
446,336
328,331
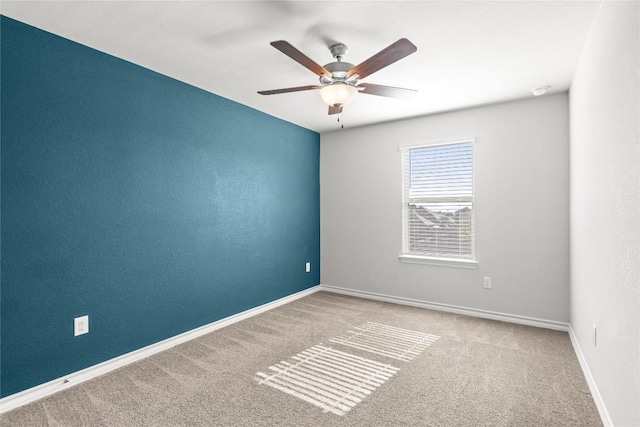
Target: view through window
438,201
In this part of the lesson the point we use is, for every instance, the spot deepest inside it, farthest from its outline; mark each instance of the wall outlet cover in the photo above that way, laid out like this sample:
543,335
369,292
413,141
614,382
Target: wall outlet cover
80,325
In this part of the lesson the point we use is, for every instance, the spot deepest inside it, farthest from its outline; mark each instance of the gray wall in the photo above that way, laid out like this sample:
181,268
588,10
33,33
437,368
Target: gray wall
605,207
522,209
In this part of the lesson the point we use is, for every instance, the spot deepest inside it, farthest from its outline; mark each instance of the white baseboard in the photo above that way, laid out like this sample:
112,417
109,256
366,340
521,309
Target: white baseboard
38,392
513,318
595,393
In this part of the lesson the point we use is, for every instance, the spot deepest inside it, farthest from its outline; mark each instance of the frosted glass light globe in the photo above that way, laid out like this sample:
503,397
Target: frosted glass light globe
338,94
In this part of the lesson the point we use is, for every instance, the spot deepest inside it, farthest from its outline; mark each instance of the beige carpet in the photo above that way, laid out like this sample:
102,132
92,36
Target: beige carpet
275,370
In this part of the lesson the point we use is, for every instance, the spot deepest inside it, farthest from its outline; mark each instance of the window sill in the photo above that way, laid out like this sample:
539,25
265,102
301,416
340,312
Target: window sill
441,262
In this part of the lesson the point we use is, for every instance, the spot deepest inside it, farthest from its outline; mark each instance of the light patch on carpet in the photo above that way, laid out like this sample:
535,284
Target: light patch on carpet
401,344
328,378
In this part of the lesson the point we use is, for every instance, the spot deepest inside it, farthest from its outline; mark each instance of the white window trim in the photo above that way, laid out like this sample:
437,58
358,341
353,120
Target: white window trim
440,262
410,145
409,258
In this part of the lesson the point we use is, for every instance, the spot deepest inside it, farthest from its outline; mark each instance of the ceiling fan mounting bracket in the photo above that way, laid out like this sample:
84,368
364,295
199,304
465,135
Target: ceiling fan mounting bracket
338,51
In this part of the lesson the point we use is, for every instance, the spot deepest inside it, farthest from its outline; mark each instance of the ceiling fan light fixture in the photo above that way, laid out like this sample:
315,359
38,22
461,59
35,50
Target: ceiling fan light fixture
338,94
339,80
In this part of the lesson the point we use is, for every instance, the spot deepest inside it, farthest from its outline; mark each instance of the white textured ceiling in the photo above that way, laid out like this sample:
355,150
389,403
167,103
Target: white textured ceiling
469,53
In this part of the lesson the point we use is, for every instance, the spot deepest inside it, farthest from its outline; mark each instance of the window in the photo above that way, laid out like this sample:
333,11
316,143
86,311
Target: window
438,214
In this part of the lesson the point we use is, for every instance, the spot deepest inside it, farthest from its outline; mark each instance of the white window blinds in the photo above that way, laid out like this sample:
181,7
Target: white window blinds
438,201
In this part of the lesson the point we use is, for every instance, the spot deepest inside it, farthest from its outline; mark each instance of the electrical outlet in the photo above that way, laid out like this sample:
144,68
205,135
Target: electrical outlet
307,267
486,282
80,325
595,335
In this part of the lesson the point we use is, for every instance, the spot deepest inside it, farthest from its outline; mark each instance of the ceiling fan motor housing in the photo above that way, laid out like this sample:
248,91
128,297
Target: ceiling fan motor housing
339,70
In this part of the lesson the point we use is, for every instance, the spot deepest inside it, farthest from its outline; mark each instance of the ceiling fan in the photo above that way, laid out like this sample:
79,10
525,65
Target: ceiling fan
340,81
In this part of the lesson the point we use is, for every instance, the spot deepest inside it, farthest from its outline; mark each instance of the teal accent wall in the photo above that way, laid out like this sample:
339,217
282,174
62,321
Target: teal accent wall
148,204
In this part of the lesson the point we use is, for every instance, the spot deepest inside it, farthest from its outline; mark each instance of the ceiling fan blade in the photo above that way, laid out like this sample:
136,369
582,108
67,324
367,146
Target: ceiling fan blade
389,91
288,89
335,110
387,56
293,53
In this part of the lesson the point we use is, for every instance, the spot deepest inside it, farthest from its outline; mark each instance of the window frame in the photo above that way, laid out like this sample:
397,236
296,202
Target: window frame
416,258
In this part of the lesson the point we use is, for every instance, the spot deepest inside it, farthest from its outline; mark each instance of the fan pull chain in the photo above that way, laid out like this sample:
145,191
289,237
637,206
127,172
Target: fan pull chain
341,119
